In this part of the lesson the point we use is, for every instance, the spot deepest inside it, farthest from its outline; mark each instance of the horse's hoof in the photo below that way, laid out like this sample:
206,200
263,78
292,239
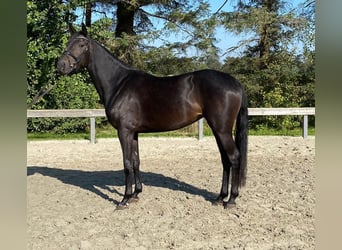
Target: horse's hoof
133,200
122,206
228,205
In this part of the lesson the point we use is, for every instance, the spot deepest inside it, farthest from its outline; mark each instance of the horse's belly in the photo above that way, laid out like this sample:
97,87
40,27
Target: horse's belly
161,119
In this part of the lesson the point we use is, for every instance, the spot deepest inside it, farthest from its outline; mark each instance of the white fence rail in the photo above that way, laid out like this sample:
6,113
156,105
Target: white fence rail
93,113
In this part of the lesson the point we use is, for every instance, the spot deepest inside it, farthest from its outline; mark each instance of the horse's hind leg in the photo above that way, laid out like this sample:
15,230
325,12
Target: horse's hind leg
136,164
226,172
234,191
230,159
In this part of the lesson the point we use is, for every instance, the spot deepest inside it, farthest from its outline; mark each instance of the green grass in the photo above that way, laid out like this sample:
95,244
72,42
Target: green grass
191,131
292,132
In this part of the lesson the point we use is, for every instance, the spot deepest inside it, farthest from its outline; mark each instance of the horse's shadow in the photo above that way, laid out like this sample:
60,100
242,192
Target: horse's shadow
94,181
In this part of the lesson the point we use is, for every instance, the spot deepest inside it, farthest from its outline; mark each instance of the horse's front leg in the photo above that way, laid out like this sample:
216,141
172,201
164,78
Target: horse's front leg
126,140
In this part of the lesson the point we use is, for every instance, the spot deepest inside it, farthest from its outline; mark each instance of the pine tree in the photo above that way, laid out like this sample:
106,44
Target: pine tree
271,65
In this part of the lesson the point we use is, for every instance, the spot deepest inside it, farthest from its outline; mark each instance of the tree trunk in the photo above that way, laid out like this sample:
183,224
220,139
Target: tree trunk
88,14
125,19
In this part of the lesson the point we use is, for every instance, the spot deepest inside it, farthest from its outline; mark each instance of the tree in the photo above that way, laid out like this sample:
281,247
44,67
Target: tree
135,20
46,38
44,33
275,73
271,27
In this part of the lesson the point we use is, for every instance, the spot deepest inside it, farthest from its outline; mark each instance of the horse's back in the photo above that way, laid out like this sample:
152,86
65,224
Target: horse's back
216,80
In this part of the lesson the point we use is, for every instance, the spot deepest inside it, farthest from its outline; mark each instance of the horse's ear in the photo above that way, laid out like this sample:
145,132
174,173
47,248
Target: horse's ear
84,30
71,29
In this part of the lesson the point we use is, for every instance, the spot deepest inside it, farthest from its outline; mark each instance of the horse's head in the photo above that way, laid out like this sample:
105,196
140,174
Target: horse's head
76,54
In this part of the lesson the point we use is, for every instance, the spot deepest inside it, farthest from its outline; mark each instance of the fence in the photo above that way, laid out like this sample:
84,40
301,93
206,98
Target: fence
93,113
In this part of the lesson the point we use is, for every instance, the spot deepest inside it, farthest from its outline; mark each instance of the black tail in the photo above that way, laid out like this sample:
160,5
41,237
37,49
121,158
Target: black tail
241,139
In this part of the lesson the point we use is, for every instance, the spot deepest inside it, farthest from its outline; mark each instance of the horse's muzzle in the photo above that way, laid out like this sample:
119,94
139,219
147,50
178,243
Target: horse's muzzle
61,66
64,67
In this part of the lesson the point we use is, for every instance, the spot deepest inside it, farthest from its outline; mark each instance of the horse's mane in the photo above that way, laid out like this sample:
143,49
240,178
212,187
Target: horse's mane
113,58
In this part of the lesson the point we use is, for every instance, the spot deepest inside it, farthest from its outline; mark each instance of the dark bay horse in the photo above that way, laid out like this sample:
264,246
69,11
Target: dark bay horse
137,102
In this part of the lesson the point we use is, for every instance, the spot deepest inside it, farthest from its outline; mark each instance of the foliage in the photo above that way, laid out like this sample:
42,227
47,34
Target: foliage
45,89
70,93
45,33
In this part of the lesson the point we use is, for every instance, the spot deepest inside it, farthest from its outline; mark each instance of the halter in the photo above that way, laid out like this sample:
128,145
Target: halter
77,59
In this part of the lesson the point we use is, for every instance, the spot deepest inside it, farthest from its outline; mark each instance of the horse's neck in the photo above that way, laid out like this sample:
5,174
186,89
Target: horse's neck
106,72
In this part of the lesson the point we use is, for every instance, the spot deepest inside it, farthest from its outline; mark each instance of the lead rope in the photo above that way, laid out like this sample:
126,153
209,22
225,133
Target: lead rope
42,92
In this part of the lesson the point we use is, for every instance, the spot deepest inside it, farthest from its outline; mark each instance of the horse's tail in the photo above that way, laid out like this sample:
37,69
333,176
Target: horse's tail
241,139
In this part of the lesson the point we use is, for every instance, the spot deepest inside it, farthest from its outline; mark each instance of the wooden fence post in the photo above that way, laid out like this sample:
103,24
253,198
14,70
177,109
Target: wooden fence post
200,129
305,126
92,130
